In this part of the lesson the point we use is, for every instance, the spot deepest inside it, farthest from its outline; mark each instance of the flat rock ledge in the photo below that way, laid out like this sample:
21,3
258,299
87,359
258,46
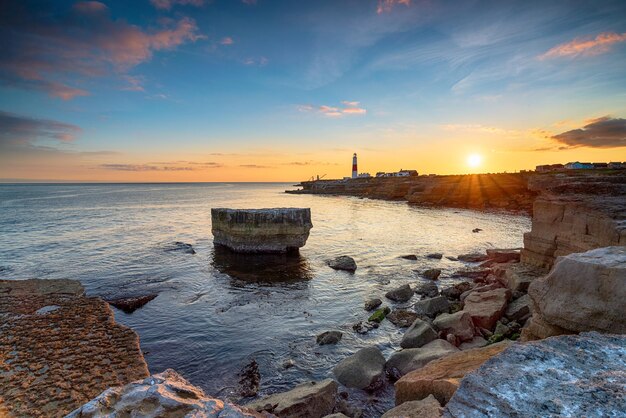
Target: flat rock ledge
60,348
276,230
163,395
574,375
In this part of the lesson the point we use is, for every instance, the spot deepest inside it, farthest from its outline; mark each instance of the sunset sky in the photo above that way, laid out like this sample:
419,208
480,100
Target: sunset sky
270,90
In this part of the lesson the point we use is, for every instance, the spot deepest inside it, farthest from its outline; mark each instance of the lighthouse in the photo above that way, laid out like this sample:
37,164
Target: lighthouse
355,171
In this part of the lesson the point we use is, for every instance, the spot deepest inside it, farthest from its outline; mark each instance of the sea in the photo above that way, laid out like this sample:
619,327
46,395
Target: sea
216,311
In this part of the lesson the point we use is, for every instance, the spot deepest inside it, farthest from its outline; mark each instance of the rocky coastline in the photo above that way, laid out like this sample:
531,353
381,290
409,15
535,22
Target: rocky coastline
555,308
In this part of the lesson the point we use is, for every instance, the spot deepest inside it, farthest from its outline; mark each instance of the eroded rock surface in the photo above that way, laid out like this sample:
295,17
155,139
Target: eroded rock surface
362,370
409,359
307,400
426,408
60,348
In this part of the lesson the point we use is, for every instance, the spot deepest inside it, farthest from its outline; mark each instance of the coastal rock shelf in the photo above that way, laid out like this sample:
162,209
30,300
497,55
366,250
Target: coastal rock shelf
60,348
277,230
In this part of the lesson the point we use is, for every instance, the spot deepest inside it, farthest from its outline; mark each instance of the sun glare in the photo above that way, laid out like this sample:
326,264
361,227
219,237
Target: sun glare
474,160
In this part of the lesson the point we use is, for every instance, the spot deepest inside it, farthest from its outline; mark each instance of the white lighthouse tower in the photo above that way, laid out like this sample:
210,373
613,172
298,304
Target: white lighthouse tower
355,171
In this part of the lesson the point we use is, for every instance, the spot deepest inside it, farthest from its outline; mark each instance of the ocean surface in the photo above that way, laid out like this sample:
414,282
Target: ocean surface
215,311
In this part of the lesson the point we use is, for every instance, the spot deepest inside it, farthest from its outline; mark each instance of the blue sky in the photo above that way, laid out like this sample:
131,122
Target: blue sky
284,89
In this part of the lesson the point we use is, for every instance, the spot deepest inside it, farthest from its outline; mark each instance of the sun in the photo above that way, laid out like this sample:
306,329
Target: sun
474,160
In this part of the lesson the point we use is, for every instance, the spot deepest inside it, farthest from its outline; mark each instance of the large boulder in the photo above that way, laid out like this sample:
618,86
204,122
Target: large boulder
343,262
441,377
362,370
503,255
407,360
577,376
329,337
261,230
418,334
459,324
432,307
307,400
426,408
486,308
163,395
400,294
584,292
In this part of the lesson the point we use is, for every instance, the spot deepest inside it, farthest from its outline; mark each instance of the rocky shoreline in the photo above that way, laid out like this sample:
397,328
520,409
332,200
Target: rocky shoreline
534,318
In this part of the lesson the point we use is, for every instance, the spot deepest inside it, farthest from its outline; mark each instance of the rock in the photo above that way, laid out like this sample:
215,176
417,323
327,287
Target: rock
364,328
576,376
584,292
477,342
372,304
362,370
343,262
436,256
486,308
501,330
452,258
409,359
460,324
433,306
473,257
431,274
411,257
426,408
454,292
473,273
337,415
329,337
418,334
402,318
441,377
519,309
250,379
475,230
517,277
499,255
131,304
482,288
428,289
379,315
261,230
400,294
288,364
165,395
307,400
180,246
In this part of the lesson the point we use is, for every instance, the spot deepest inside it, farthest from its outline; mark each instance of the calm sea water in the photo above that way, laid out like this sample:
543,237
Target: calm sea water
215,312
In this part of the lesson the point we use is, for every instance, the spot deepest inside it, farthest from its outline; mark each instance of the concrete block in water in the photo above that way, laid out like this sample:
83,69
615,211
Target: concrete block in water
261,230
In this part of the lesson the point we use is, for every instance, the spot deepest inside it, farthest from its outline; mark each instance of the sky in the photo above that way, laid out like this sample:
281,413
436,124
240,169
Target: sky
272,90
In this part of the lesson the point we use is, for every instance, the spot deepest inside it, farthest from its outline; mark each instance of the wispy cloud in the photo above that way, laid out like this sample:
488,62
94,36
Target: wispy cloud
349,108
168,4
260,62
227,40
385,6
161,166
134,83
586,46
254,166
604,132
23,130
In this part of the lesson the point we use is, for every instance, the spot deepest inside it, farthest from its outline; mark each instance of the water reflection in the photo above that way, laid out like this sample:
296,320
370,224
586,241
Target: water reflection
266,268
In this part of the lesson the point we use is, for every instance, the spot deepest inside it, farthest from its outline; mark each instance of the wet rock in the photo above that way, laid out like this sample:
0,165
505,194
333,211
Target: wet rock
428,289
362,370
452,258
411,257
343,262
519,309
433,306
337,415
473,273
400,294
250,379
475,230
442,377
418,334
131,304
372,304
435,256
379,315
166,395
477,342
454,292
486,308
363,328
473,257
407,360
288,364
459,324
402,318
578,376
307,400
431,274
329,337
179,246
426,408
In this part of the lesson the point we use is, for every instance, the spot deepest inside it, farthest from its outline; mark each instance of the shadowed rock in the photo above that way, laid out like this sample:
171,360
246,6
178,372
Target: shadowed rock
407,360
131,304
426,408
343,262
362,370
307,400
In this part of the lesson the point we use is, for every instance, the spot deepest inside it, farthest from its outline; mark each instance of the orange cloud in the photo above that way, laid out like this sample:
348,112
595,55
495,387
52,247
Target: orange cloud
385,6
588,46
350,108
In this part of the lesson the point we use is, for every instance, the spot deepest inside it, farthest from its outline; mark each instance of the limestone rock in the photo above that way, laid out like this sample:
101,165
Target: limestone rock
400,294
428,289
402,318
483,288
411,257
435,256
455,292
476,342
329,337
409,359
460,324
131,304
372,304
441,377
432,274
584,292
426,408
519,309
486,308
362,370
163,395
418,334
500,255
578,376
472,257
433,306
343,262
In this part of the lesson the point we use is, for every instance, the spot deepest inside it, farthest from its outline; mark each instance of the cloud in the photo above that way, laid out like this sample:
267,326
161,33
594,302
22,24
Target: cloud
261,62
254,166
604,132
162,166
227,41
47,50
586,46
134,83
168,4
350,108
23,130
385,6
